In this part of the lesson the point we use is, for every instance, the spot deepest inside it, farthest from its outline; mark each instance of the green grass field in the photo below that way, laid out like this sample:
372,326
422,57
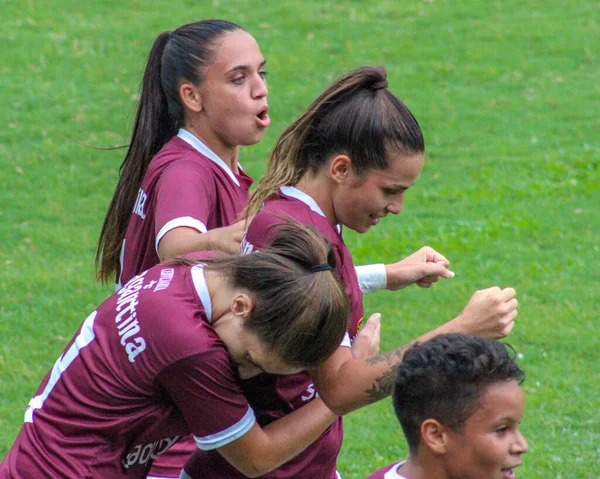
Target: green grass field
507,94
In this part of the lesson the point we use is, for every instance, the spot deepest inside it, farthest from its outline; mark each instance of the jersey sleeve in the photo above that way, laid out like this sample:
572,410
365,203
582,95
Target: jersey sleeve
185,196
261,230
205,389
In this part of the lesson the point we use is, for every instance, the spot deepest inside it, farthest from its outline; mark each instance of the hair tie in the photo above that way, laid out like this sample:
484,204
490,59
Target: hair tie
380,85
320,267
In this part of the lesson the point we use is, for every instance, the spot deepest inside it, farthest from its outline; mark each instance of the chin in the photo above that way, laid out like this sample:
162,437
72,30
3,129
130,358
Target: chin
359,228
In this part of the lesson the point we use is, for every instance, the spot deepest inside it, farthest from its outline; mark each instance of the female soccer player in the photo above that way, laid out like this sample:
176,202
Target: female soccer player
158,360
348,160
181,188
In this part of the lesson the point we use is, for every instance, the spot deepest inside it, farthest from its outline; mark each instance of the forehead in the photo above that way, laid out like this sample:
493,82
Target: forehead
504,400
403,170
236,48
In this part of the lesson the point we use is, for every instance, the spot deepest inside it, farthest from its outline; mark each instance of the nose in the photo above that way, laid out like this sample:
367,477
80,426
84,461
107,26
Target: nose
260,89
520,445
395,207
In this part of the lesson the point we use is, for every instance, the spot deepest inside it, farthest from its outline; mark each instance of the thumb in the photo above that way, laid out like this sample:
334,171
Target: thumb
434,269
372,324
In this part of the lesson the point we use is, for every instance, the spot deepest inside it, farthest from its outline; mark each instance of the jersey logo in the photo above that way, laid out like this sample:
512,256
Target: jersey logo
140,202
142,453
311,393
359,324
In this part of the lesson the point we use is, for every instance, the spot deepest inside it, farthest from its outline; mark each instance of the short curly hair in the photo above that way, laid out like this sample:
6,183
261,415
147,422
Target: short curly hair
444,379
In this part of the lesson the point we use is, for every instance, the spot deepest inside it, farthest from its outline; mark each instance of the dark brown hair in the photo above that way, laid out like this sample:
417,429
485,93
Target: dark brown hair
175,56
358,116
301,310
444,379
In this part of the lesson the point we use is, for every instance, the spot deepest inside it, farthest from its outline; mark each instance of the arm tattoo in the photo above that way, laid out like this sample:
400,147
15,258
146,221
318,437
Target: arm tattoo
387,357
382,386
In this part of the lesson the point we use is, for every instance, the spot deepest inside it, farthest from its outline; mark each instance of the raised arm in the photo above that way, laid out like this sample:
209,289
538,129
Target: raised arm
346,383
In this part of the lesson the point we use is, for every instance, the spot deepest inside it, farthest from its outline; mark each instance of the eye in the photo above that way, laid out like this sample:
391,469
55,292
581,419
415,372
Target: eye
501,430
238,80
262,73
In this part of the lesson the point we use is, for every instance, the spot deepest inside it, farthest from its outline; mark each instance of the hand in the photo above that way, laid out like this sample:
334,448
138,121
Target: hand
228,238
490,313
423,267
366,342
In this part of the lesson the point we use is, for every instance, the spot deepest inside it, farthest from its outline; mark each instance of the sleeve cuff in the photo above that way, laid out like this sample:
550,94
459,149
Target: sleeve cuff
371,277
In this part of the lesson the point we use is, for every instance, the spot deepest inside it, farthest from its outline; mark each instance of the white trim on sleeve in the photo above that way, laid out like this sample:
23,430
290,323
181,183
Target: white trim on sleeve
176,223
371,277
228,435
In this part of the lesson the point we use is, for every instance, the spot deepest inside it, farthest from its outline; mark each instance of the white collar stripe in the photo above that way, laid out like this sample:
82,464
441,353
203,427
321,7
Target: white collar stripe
306,199
202,289
206,151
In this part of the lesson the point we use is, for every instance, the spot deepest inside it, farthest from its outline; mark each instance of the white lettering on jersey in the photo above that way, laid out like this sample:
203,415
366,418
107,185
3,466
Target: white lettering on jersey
85,337
246,247
311,393
142,453
140,202
127,324
166,275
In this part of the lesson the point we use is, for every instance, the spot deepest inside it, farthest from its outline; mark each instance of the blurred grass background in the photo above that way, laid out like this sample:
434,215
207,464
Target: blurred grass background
507,94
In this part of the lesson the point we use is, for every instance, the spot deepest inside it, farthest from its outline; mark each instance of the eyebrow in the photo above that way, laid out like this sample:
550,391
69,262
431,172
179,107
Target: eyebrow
397,188
246,67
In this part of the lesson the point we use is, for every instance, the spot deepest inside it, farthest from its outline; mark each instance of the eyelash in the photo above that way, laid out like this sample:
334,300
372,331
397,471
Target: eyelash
239,80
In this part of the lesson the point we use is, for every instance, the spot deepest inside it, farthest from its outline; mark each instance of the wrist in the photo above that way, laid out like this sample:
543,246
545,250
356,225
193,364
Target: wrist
372,277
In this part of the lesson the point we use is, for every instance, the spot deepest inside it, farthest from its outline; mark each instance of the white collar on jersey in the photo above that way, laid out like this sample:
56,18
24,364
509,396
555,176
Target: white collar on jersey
306,199
202,289
193,141
393,472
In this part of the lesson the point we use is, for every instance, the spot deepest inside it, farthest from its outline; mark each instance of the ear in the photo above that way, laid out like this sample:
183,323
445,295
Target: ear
242,305
434,436
340,168
191,97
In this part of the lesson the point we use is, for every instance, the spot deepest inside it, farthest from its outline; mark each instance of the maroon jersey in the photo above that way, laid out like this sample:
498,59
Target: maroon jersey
186,184
273,397
388,472
144,369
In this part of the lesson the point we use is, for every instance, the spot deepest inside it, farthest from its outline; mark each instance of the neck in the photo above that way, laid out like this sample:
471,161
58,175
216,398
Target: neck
319,188
229,154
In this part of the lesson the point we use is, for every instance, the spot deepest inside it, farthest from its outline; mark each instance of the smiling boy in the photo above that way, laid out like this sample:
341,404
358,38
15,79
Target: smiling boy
459,401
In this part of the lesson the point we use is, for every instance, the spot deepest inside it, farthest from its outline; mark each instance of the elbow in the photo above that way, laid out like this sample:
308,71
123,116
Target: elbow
337,402
256,466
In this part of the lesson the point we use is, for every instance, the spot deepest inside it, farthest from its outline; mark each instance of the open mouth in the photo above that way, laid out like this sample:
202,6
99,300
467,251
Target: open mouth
262,117
509,472
375,219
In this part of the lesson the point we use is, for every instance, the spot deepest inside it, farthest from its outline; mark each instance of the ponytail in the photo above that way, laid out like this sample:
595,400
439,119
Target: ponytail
300,310
152,129
358,116
175,56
